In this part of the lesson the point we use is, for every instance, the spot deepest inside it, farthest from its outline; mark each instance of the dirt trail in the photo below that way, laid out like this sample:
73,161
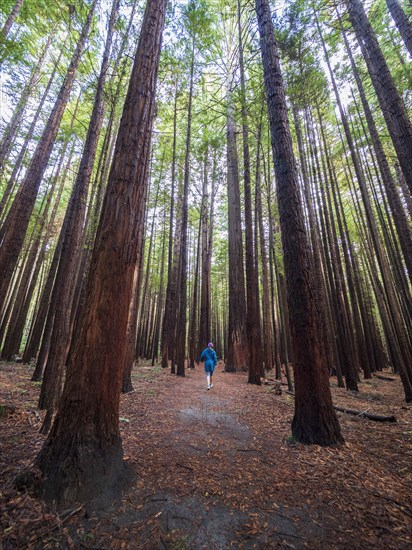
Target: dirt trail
216,469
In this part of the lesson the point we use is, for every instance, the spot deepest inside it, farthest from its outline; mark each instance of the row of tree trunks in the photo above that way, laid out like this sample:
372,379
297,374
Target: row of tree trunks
390,101
17,220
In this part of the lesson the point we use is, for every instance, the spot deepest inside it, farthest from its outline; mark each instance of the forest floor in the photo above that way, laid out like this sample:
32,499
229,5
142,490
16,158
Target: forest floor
218,469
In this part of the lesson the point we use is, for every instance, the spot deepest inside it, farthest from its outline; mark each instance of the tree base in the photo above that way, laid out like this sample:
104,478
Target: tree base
319,433
91,480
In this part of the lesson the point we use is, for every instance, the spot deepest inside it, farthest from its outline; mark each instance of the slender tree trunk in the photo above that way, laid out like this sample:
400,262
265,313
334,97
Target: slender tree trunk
314,420
31,271
158,324
267,333
11,129
167,328
19,214
85,435
181,320
127,385
193,325
404,346
11,18
318,263
390,101
255,363
398,213
205,322
402,22
18,163
237,346
33,343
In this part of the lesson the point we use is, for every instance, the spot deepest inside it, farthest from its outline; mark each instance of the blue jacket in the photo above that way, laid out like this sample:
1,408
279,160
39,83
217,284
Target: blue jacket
209,357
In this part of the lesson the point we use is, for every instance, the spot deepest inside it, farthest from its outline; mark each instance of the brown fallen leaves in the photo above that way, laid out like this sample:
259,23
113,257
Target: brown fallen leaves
218,469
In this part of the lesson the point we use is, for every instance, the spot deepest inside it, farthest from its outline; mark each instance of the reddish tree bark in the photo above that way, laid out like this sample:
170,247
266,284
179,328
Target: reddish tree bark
390,101
315,420
82,457
237,345
17,221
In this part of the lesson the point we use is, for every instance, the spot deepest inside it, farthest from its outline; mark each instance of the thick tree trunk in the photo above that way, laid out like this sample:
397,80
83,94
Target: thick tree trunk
66,276
82,456
315,420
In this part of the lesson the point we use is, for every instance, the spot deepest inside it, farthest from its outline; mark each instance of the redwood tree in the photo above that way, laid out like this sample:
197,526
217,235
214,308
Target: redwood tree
314,419
15,226
82,458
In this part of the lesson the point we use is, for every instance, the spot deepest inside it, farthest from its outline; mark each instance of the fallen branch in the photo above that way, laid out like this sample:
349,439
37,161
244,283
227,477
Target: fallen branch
183,466
362,414
61,520
369,416
381,377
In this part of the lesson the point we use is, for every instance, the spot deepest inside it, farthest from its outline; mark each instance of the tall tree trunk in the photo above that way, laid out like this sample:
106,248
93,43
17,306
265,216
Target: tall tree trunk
390,101
85,435
160,299
20,211
19,162
31,271
237,346
181,320
266,320
127,385
315,420
193,324
398,213
402,22
404,346
33,343
167,328
327,324
11,129
11,18
65,282
205,321
255,363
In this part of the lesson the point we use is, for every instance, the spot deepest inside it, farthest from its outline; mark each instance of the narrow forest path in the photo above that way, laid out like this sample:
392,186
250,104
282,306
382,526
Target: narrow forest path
216,469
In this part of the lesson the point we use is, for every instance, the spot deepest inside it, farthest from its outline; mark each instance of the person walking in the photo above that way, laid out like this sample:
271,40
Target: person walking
210,359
